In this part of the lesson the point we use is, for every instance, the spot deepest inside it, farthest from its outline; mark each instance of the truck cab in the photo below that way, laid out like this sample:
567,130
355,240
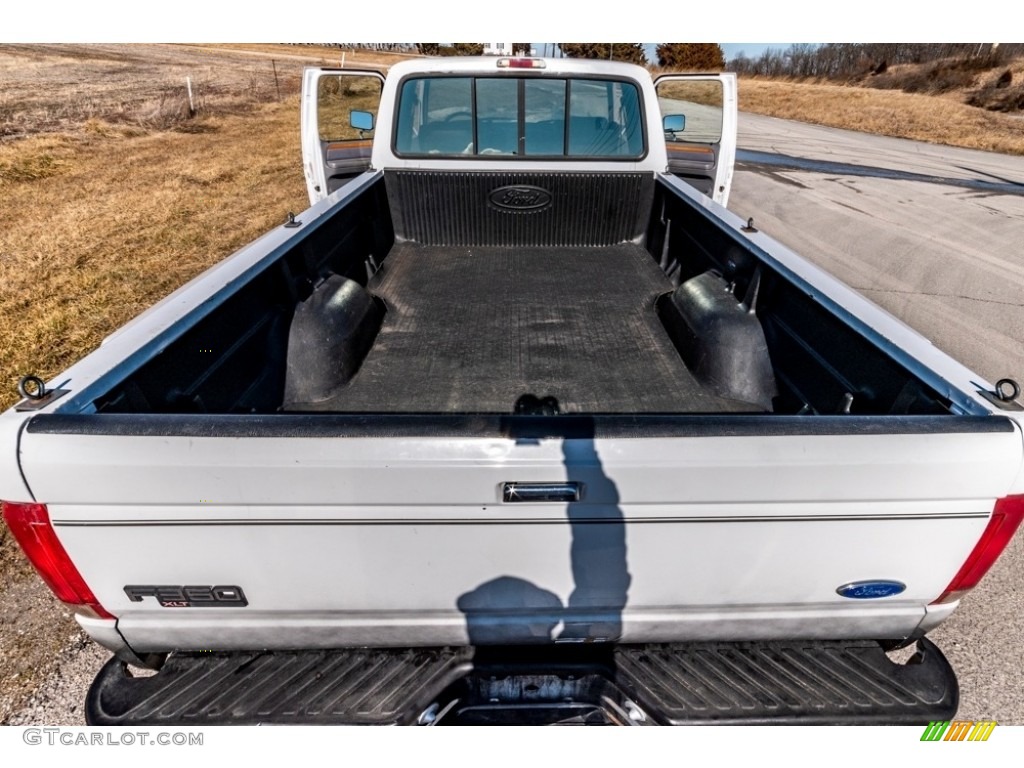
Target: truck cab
535,113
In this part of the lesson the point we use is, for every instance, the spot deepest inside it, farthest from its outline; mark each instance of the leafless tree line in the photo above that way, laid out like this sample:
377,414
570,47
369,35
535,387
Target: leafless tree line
392,47
839,61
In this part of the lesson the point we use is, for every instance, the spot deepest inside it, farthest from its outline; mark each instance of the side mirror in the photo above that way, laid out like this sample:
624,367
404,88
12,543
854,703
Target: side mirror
361,121
674,123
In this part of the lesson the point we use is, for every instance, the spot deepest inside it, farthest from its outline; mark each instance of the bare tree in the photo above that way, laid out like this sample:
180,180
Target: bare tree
629,52
854,61
695,57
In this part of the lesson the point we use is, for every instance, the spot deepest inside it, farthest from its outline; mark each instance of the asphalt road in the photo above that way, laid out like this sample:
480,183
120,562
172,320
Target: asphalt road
934,235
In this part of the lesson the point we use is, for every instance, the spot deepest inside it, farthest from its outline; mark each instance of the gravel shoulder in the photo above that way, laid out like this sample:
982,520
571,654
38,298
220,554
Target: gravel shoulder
46,660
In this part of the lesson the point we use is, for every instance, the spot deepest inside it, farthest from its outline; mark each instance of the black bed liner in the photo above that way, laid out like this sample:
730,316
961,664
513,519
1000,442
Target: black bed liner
473,329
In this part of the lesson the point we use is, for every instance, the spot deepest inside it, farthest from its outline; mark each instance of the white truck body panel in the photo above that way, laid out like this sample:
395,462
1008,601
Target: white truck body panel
928,498
656,159
340,540
355,540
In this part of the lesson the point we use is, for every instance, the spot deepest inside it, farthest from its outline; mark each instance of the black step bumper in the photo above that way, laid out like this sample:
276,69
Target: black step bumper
797,682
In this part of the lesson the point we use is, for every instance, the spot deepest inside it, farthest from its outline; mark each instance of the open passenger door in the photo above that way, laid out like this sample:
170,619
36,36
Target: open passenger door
339,114
699,115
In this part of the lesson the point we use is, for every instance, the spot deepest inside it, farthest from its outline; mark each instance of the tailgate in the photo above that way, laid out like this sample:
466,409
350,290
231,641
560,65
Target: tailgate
326,531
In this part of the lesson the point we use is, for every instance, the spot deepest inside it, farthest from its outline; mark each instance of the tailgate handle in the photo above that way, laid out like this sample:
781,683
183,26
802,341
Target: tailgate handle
513,492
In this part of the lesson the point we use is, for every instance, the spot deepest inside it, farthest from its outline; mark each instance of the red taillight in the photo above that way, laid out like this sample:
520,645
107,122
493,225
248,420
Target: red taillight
31,528
1006,518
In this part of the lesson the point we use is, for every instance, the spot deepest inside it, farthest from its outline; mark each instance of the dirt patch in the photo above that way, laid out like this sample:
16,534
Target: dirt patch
59,699
12,563
35,631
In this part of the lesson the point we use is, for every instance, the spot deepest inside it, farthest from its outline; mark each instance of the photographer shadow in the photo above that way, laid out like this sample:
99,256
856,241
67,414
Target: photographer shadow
509,610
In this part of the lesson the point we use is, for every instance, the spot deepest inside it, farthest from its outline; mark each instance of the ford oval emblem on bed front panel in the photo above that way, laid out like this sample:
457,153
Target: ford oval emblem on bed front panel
520,198
867,590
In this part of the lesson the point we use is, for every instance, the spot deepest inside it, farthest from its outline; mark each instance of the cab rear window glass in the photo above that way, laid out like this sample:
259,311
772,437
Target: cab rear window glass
519,117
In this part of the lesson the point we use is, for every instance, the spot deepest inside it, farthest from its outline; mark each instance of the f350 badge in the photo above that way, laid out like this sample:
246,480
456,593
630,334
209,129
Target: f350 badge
170,596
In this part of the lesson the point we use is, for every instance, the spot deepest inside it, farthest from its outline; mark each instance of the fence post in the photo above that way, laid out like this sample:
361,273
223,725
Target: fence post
277,85
191,103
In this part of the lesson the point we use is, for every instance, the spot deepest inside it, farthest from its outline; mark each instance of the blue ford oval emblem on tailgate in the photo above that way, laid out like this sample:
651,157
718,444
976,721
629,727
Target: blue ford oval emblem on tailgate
520,198
867,590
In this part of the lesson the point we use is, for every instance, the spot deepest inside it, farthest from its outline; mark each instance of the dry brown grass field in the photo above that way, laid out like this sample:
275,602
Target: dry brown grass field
49,88
943,119
110,199
112,195
124,197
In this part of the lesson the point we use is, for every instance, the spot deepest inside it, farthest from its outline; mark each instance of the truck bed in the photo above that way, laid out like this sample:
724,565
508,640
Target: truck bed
474,329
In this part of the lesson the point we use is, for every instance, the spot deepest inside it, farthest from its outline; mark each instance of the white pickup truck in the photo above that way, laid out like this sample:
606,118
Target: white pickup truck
516,423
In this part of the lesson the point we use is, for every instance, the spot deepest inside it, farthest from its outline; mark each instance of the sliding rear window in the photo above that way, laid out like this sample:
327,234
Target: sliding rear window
551,118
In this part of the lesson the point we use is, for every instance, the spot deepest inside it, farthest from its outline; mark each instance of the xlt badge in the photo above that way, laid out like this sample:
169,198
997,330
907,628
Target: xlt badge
170,596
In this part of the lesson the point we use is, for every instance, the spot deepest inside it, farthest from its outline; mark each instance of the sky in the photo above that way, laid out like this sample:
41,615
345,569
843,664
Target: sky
203,21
